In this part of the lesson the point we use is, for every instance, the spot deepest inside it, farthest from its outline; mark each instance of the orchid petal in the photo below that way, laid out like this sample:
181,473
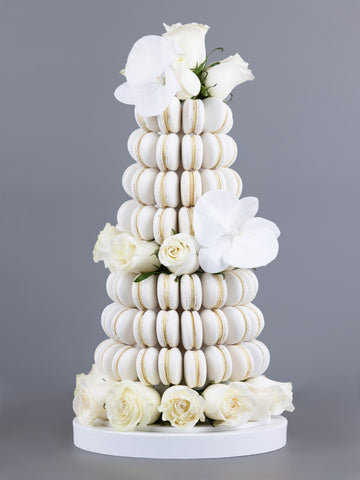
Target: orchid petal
246,208
211,259
213,214
259,223
252,249
149,57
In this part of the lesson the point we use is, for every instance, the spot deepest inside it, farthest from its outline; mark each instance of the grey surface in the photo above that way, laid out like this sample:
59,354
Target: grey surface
63,151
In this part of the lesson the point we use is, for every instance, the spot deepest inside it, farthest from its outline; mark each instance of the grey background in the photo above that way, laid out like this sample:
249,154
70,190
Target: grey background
63,151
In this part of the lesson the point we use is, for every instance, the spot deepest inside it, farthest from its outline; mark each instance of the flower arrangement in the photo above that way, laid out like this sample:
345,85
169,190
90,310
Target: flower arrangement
127,405
159,68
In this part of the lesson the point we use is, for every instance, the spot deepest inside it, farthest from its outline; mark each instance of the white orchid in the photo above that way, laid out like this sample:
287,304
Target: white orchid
229,234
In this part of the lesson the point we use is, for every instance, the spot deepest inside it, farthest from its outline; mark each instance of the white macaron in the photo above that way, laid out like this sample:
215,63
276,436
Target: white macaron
193,116
128,176
233,182
212,180
190,188
144,328
218,116
215,326
142,185
104,355
167,190
147,123
147,366
117,323
168,152
242,362
192,152
245,322
214,150
190,292
169,120
191,330
168,328
144,293
124,215
219,364
142,147
142,220
165,223
168,291
119,288
261,356
124,363
214,290
230,149
242,286
170,366
195,369
185,220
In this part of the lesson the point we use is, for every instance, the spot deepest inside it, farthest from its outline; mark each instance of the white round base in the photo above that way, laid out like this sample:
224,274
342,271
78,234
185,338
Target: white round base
168,442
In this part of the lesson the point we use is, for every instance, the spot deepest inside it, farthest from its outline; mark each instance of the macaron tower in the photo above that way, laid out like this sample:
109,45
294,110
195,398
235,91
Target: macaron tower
178,331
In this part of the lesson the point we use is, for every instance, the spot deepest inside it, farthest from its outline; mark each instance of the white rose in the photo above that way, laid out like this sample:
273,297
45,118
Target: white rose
182,407
225,76
89,396
179,253
131,404
272,397
190,84
121,251
231,404
190,39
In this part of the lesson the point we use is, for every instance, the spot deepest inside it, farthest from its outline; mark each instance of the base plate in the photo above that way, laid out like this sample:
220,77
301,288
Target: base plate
168,442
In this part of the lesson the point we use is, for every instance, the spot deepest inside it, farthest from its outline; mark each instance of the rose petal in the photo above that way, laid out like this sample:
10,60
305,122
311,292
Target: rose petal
149,57
252,249
213,214
212,259
246,209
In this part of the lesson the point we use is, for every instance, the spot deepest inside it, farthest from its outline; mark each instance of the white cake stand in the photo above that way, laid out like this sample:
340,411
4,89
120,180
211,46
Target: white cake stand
167,442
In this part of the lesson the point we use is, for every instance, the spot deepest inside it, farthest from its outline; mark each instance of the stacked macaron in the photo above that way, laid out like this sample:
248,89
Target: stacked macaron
198,328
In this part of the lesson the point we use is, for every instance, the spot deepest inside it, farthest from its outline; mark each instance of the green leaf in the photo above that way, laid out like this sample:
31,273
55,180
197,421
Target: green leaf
173,231
144,276
156,253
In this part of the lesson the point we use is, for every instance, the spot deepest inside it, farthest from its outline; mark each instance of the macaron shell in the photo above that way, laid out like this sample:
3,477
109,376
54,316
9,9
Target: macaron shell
124,215
147,366
144,329
142,147
119,288
191,330
242,362
104,355
124,363
147,123
230,149
190,188
242,287
190,292
193,116
169,120
257,357
195,369
168,291
117,323
215,326
167,190
165,223
219,363
168,328
233,182
144,294
218,116
185,220
170,366
236,325
214,150
128,176
192,152
212,180
168,152
142,220
214,290
142,185
266,355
